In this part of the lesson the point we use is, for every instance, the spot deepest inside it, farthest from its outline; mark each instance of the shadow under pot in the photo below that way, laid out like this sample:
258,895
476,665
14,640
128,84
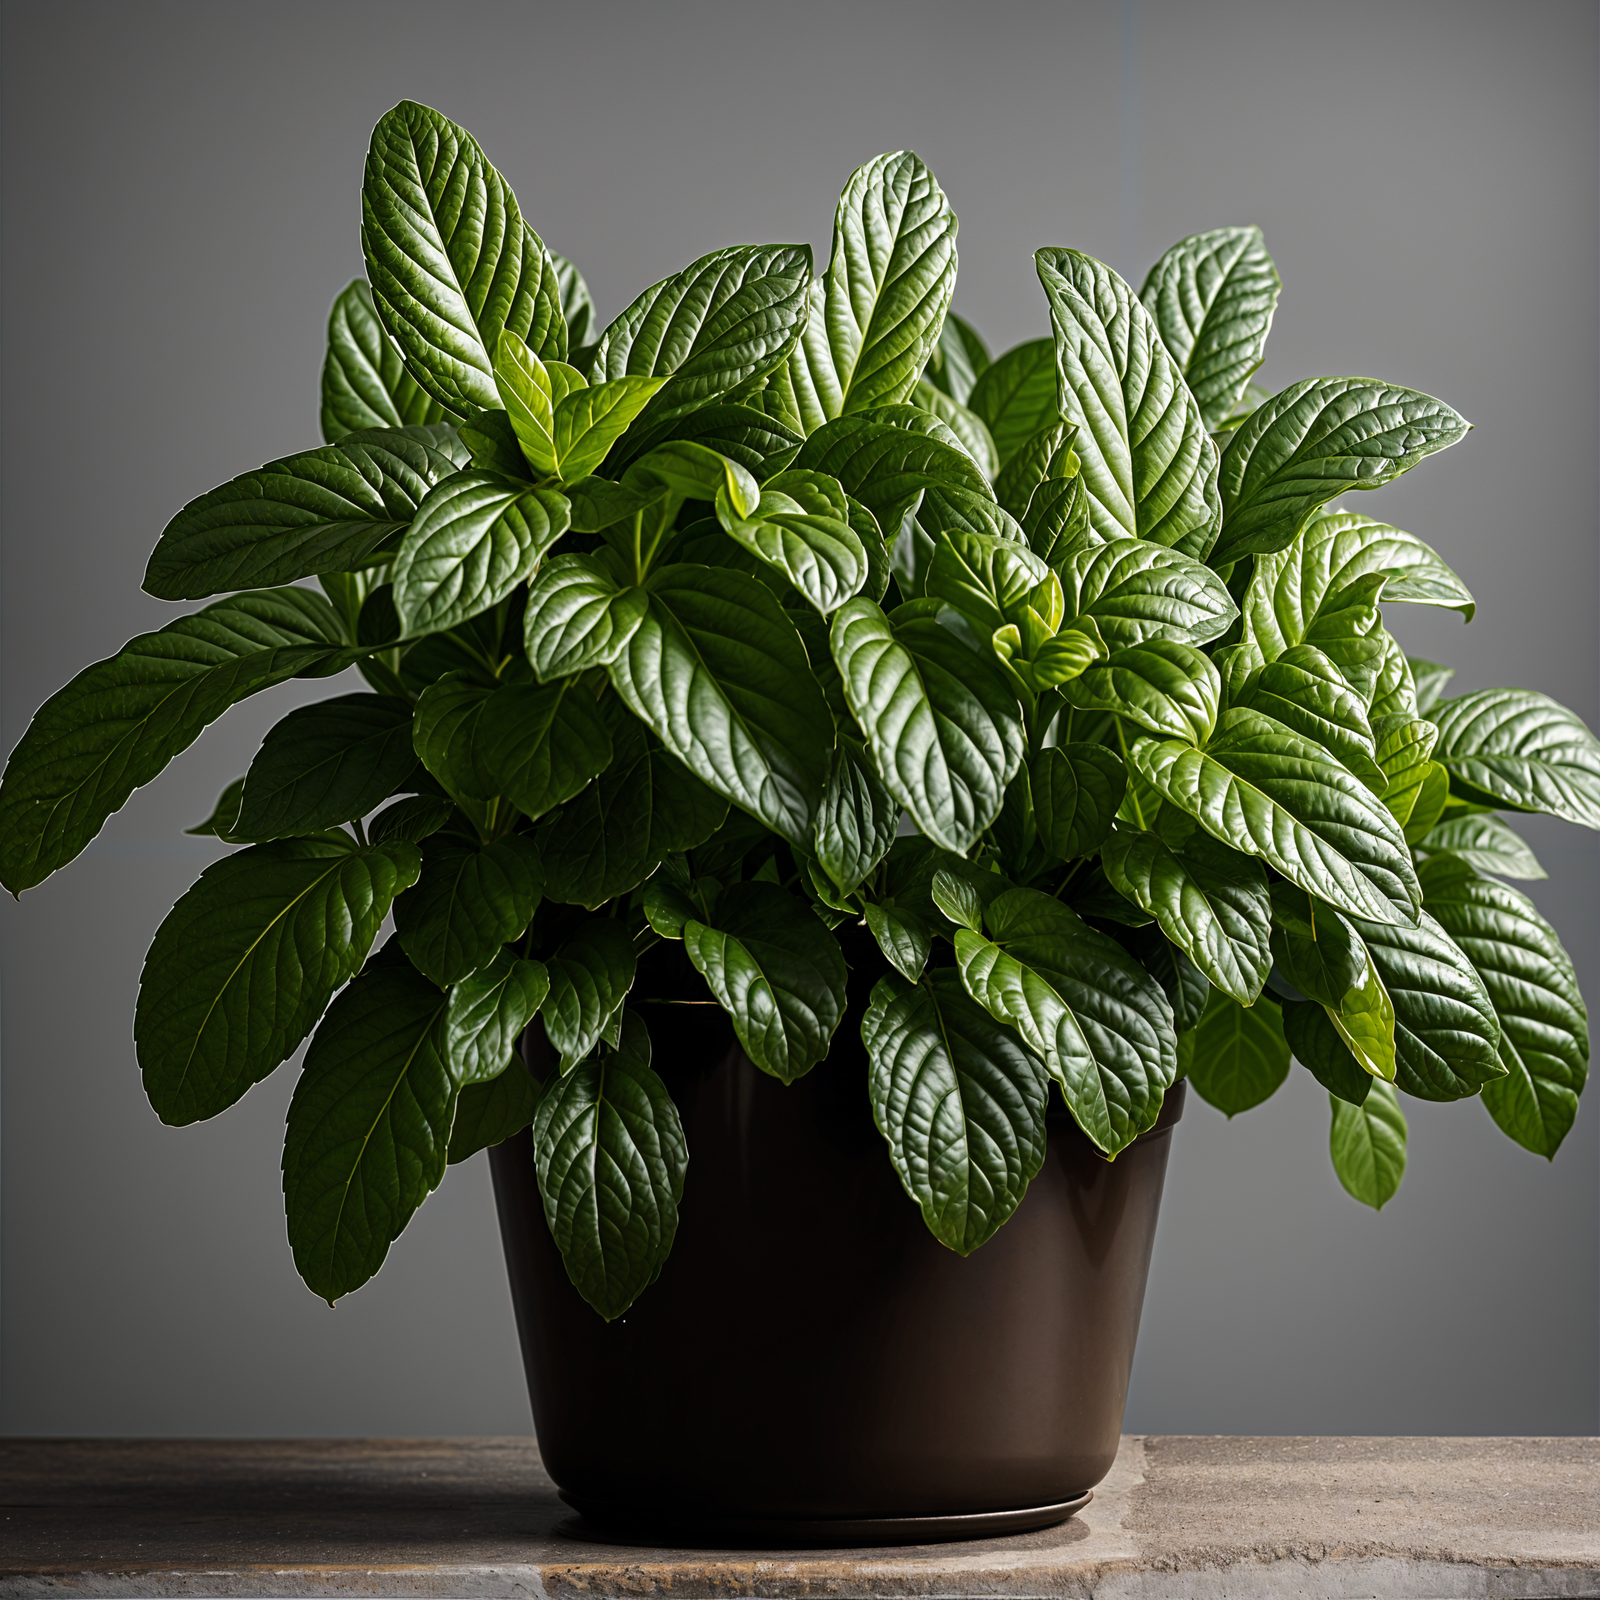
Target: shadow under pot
812,1366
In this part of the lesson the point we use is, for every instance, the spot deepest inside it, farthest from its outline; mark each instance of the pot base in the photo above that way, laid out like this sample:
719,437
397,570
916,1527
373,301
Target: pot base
784,1533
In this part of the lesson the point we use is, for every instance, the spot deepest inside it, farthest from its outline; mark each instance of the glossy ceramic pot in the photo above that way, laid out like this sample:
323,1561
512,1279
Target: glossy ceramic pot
812,1363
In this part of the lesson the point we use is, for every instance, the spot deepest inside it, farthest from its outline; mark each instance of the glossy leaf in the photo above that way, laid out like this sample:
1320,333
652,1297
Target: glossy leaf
1368,1146
957,358
1240,1054
1323,1053
857,820
590,976
818,553
1137,591
1402,745
577,306
243,965
1015,396
470,900
364,380
1169,689
411,819
486,1014
578,617
1430,679
960,1103
451,263
1077,789
903,937
540,746
444,733
1484,842
966,425
1305,692
489,1113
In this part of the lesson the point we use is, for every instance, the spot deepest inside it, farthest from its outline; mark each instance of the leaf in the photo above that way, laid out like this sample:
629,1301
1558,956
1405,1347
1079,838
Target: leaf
451,262
713,329
958,899
411,819
1432,795
1148,462
642,808
1137,591
1240,1055
1270,793
1319,1049
470,900
858,819
942,723
590,976
966,425
120,721
578,617
902,936
611,1159
445,735
490,1113
1210,901
1165,687
540,746
1015,396
326,763
1303,691
590,421
957,359
530,391
327,510
1077,789
988,578
719,675
1521,750
1029,466
776,971
1484,842
1312,442
1430,679
819,554
243,965
476,537
1368,1146
888,285
1101,1022
1186,987
1395,694
486,1014
219,825
1402,745
1056,522
960,1103
364,380
759,443
1544,1027
1212,296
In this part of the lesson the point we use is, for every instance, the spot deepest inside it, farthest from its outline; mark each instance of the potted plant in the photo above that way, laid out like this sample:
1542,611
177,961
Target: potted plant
815,740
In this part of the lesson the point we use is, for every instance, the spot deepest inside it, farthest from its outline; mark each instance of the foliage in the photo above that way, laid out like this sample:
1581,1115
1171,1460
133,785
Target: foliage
777,604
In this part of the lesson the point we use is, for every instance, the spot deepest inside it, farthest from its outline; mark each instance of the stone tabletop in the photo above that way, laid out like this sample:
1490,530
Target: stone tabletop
1199,1518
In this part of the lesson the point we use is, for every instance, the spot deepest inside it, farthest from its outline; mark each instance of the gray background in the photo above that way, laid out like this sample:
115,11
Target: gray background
182,186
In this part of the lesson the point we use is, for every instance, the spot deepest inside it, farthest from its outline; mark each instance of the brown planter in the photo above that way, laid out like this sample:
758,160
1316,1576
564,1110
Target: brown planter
812,1364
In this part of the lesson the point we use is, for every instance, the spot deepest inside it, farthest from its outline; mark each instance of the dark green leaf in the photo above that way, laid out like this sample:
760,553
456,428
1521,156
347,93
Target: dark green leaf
857,820
1368,1145
958,899
759,443
219,825
1240,1056
818,553
1057,519
578,617
1077,789
243,965
540,746
1304,692
1402,745
1186,987
1016,396
590,976
471,899
577,307
902,936
487,1012
1430,679
364,381
1483,841
411,819
1319,1049
1168,688
490,1113
445,735
1029,466
1136,591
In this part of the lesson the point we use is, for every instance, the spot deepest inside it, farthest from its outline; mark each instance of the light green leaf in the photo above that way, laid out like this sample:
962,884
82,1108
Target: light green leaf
1430,679
1077,789
1482,841
1368,1146
958,899
451,263
1305,692
243,965
1168,688
364,380
960,1103
578,617
857,820
120,721
1395,694
530,391
1148,462
818,553
589,422
540,746
590,976
902,936
697,473
1315,440
368,1128
470,900
1015,396
1402,745
486,1014
1136,591
966,425
1432,795
1240,1054
1212,296
490,1113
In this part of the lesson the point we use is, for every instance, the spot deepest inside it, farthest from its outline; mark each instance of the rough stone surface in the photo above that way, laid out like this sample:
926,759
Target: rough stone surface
1178,1519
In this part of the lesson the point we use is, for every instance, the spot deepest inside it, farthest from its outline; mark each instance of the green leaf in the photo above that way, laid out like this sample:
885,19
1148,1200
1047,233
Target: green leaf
1168,688
1240,1054
1395,693
966,425
819,554
1270,793
611,1160
1101,1022
364,380
643,807
1209,900
476,537
1029,466
368,1128
577,307
1484,842
888,285
958,899
1313,441
590,421
486,1014
1015,396
327,510
1137,591
777,972
714,329
957,358
1305,692
960,1103
857,820
540,746
988,578
1430,679
411,819
1544,1027
902,936
243,965
578,617
1402,745
1077,789
942,722
760,443
530,391
1432,796
1212,296
1368,1145
219,825
718,673
1056,522
445,735
470,900
120,721
1521,750
326,763
590,976
1323,1053
451,262
490,1113
1148,462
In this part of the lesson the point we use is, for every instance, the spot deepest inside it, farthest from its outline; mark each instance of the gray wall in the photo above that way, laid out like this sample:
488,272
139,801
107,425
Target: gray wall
181,206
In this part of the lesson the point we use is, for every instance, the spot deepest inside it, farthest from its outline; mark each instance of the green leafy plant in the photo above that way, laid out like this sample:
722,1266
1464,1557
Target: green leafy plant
774,608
